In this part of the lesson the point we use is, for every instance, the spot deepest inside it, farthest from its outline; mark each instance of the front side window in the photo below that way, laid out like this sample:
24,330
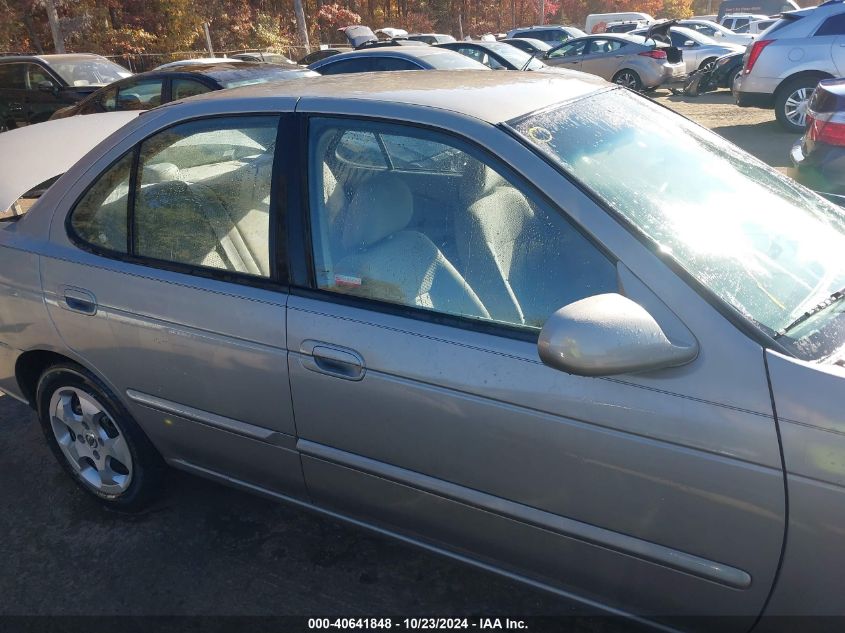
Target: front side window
183,88
603,46
140,95
360,65
572,49
458,237
203,194
756,240
36,75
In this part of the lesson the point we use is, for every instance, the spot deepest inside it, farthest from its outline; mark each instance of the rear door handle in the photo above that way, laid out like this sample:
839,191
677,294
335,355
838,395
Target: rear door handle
79,300
325,358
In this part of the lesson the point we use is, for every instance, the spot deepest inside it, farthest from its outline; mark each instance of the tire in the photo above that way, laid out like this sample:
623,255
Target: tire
791,102
629,79
96,440
732,78
708,64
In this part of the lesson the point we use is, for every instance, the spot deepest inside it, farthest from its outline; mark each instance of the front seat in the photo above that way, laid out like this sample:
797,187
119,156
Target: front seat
384,260
488,239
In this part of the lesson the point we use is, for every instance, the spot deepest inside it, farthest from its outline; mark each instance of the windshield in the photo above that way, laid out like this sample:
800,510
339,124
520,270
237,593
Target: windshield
87,71
515,56
756,240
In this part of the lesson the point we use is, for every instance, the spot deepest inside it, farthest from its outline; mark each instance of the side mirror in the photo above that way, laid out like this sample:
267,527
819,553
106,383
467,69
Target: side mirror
608,334
47,86
689,44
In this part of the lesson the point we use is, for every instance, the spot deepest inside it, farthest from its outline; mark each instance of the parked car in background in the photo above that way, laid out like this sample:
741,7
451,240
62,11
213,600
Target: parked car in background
628,60
709,18
597,22
736,21
431,38
198,61
726,69
756,9
818,157
757,27
497,55
534,322
273,58
33,87
323,53
699,50
549,33
786,63
529,45
148,90
625,26
717,32
395,58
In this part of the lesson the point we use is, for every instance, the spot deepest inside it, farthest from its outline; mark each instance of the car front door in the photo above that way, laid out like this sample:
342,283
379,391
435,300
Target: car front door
603,57
421,282
568,55
166,286
44,94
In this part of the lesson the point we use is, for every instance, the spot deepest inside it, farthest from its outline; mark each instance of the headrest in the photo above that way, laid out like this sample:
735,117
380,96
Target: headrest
479,180
160,172
380,206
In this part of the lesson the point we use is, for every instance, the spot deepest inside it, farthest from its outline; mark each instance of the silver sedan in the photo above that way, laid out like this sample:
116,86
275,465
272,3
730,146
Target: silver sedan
699,50
628,60
534,322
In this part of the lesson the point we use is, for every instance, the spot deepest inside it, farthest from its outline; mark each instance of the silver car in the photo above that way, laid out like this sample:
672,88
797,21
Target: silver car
534,322
700,51
788,60
422,57
628,60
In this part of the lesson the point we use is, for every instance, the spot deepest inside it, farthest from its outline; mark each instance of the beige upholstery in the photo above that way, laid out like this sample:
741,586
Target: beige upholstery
396,264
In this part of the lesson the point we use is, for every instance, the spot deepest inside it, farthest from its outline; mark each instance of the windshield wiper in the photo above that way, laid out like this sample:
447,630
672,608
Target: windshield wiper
530,59
821,305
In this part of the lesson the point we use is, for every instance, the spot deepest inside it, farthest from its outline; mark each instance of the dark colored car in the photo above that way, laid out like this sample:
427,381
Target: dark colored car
148,90
496,55
725,70
319,55
529,45
33,87
818,158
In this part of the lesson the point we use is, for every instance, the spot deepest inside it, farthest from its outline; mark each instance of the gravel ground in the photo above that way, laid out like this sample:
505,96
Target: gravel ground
206,549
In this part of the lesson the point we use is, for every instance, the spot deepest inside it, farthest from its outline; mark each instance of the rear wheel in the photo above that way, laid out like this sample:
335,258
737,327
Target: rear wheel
629,79
708,64
96,440
791,103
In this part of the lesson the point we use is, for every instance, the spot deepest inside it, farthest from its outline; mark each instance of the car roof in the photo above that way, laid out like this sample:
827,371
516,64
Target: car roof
214,70
494,97
64,57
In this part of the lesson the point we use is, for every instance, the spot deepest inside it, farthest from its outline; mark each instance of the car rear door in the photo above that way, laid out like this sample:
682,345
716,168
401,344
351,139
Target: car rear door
422,406
13,94
831,33
166,284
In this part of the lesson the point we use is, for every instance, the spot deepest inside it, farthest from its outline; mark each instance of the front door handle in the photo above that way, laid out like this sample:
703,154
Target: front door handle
15,107
79,300
325,358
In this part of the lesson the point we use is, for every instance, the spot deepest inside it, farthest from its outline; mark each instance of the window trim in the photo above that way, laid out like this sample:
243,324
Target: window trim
278,278
300,235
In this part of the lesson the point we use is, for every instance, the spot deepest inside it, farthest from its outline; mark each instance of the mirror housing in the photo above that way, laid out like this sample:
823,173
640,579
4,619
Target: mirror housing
608,334
689,44
47,86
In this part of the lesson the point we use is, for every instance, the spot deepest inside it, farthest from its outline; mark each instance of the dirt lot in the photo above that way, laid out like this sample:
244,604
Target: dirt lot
205,549
754,130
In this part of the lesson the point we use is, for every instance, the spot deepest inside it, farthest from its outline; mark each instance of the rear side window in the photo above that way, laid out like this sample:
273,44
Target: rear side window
12,77
100,217
834,25
202,197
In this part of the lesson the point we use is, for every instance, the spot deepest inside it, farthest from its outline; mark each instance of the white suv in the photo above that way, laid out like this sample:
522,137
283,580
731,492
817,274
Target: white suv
783,66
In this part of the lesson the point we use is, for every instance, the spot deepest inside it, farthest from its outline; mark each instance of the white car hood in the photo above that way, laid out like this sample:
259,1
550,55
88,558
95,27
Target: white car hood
36,153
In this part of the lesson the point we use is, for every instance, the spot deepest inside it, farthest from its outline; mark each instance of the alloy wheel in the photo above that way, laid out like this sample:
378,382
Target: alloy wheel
795,107
627,79
90,441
